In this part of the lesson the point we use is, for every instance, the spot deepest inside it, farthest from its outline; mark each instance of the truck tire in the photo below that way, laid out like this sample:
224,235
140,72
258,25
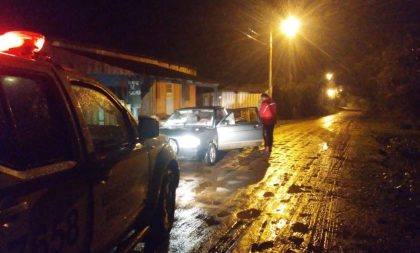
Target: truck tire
211,155
164,215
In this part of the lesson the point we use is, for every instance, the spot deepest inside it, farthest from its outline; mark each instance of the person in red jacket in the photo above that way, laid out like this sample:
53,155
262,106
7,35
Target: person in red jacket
267,114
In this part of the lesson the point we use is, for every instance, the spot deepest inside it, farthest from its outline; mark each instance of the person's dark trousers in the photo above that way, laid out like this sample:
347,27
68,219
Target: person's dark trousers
268,135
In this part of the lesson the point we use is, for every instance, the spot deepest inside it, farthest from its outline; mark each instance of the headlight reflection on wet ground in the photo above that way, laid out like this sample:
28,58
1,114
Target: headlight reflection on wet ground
323,146
281,209
281,223
185,194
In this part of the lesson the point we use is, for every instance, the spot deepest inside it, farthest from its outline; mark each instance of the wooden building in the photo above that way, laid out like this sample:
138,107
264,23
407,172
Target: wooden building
145,85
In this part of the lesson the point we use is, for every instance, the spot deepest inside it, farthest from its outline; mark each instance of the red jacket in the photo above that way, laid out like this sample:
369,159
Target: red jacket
268,112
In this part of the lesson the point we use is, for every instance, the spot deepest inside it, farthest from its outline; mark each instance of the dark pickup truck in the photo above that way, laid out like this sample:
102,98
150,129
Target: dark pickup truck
77,172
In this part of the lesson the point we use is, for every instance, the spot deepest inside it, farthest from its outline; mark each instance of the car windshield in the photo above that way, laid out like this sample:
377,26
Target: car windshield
191,117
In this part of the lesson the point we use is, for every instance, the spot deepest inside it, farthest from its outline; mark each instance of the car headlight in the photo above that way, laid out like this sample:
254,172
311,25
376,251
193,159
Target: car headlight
188,141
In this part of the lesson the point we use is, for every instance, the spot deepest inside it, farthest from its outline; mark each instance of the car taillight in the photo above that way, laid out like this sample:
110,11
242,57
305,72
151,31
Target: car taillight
21,43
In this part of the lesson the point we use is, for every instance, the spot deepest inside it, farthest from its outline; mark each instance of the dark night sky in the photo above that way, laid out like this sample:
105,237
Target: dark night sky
195,33
206,34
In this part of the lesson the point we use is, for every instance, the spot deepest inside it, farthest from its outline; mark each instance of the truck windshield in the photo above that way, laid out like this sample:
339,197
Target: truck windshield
191,117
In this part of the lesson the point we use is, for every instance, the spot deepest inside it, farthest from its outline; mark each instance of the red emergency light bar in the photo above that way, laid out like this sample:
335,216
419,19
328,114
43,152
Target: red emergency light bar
21,43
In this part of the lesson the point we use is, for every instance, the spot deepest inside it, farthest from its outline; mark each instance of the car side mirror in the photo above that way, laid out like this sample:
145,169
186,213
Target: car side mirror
148,127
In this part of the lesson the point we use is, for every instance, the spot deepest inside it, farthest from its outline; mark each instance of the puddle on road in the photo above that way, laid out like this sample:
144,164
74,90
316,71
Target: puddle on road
324,146
268,194
315,248
281,224
223,214
258,247
249,214
327,122
300,227
281,209
233,182
340,158
229,239
209,220
222,190
299,188
229,171
191,223
296,240
285,199
209,201
185,195
304,215
294,189
205,184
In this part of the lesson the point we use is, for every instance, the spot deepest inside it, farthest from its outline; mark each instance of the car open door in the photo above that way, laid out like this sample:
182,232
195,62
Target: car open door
240,128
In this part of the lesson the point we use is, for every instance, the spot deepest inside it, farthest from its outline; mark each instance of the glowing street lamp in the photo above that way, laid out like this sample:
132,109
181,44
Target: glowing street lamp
329,76
290,26
332,93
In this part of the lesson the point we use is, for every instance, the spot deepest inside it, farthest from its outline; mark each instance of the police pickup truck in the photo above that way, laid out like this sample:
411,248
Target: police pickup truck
77,173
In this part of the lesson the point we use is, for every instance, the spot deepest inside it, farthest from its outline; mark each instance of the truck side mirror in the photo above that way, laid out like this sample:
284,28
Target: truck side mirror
148,127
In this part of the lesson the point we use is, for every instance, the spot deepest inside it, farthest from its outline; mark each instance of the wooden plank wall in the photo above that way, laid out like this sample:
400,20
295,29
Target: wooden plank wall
232,100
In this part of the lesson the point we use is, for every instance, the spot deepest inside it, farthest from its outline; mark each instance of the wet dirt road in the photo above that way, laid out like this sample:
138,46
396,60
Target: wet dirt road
304,197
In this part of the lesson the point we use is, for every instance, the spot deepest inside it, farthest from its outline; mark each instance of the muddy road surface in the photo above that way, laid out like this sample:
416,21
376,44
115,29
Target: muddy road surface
324,188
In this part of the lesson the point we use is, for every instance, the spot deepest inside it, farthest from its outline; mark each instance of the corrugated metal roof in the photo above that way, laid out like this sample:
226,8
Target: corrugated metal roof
128,57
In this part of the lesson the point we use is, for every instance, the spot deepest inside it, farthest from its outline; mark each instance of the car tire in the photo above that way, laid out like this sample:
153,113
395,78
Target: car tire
211,155
164,215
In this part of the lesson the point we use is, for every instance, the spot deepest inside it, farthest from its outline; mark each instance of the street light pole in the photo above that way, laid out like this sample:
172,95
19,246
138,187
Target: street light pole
270,63
290,28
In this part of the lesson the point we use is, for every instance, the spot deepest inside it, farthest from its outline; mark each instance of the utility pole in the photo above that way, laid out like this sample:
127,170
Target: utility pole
270,62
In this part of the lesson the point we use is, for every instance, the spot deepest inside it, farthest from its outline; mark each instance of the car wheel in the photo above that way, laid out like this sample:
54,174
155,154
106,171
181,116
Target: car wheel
163,218
211,155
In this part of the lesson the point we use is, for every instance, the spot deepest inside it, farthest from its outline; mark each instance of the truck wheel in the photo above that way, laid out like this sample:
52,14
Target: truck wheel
211,155
164,216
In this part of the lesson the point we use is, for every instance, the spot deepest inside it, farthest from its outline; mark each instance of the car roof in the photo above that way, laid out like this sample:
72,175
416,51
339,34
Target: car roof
23,60
46,62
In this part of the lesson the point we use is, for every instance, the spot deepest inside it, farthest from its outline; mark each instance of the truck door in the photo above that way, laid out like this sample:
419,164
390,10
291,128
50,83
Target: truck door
119,164
241,128
43,190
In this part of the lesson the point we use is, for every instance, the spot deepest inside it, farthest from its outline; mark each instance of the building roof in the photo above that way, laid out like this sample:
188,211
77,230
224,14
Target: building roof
135,63
120,63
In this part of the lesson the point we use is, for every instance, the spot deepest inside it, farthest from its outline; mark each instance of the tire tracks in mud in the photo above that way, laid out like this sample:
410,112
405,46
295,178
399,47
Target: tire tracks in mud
307,192
323,237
